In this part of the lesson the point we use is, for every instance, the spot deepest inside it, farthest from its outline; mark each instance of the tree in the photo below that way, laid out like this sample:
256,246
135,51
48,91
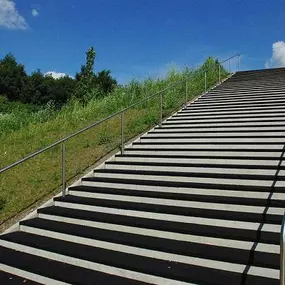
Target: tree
12,78
105,81
86,76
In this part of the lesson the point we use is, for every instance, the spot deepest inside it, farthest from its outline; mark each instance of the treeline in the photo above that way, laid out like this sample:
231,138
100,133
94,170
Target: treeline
39,89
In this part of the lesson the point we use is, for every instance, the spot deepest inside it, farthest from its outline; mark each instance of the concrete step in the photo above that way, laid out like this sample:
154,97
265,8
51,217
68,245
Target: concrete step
193,208
191,116
29,265
249,198
177,167
186,123
207,178
129,241
233,103
195,109
97,259
170,144
226,223
226,134
214,140
239,99
269,163
177,119
207,153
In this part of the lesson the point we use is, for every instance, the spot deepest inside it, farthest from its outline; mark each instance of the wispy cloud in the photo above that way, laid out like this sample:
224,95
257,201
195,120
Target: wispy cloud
278,55
10,17
35,12
56,75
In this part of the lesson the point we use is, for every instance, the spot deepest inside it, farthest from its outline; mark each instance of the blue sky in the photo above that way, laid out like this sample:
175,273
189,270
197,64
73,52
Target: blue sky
141,38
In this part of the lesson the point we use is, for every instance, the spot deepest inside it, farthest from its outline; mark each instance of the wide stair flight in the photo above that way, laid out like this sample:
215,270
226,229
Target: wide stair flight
199,200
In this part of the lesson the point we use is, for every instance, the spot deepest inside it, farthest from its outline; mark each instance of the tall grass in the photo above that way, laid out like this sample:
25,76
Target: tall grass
20,135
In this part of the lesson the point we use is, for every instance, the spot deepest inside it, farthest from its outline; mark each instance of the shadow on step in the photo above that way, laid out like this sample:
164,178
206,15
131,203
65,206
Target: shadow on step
252,251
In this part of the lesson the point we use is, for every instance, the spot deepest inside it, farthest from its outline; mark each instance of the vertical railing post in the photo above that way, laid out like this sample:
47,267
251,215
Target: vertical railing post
230,65
219,73
238,62
160,118
63,168
205,81
186,92
122,132
282,248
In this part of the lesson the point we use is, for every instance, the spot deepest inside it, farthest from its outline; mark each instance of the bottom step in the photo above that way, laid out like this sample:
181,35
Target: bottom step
10,279
52,272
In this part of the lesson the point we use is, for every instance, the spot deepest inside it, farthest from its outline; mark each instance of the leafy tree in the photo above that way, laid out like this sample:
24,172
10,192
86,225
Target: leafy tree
105,81
86,76
12,78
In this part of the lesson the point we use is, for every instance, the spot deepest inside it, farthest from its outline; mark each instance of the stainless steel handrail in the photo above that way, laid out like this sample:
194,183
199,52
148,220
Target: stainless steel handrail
121,112
282,255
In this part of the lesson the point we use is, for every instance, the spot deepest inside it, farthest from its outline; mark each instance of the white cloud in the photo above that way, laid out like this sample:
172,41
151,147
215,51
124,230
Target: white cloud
278,55
10,17
35,12
56,75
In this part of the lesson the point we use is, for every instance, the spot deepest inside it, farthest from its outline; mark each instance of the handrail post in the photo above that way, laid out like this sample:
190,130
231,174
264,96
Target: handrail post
238,62
63,168
205,81
186,91
122,132
219,73
230,65
160,119
282,248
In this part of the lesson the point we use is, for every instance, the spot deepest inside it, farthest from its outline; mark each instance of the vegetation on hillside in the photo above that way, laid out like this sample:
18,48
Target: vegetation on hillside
32,127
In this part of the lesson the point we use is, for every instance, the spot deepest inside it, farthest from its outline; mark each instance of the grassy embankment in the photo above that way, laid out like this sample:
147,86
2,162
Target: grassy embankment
24,132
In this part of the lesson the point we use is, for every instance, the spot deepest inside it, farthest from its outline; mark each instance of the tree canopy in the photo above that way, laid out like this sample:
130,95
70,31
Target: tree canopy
39,89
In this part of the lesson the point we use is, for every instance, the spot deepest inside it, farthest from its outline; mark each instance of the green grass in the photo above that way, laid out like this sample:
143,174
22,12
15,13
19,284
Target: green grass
35,179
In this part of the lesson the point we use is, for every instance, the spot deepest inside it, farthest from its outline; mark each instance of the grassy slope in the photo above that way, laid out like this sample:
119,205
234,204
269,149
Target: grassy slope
36,178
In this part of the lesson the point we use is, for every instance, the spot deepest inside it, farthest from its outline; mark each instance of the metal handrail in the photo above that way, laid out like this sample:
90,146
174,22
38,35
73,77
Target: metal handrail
122,113
282,254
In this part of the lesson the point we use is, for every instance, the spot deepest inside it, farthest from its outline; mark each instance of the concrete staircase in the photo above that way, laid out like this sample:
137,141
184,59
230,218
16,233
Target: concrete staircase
197,201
